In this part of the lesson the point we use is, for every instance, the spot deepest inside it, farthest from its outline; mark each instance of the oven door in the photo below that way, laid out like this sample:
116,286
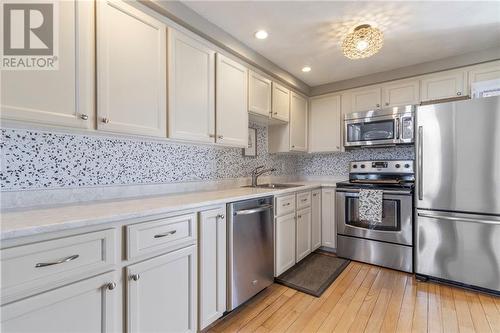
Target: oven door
371,131
397,216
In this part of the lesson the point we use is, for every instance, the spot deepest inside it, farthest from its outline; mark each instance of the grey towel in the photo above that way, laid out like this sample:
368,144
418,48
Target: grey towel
370,206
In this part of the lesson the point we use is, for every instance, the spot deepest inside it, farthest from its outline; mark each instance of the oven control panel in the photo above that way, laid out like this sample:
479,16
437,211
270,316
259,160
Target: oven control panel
386,166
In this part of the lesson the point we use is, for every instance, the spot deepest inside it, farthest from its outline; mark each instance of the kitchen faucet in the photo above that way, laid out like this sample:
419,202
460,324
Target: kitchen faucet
258,171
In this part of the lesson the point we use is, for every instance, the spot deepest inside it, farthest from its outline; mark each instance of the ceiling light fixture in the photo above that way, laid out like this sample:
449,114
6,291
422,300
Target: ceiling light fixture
306,69
363,42
261,34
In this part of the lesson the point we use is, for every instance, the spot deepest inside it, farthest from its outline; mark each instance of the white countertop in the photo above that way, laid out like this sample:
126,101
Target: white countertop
28,222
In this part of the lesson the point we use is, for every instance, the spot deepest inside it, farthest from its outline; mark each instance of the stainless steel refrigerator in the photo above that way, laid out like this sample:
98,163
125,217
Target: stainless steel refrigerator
458,192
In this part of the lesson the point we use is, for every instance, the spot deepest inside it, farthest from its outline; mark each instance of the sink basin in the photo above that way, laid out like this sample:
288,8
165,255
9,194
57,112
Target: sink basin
276,186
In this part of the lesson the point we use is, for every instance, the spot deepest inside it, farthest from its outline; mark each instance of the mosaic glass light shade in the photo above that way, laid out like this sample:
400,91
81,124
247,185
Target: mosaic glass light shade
363,42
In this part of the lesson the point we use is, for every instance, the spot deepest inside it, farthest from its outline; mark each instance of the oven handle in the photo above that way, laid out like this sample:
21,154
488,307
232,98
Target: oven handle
385,191
398,128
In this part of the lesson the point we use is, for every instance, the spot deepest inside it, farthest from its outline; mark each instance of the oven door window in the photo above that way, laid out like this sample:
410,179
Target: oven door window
391,212
371,131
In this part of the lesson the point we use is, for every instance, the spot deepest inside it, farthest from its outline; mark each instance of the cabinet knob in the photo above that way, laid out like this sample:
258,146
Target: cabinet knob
293,146
276,113
300,216
459,93
210,135
105,120
111,286
387,103
220,137
221,216
84,117
378,105
135,277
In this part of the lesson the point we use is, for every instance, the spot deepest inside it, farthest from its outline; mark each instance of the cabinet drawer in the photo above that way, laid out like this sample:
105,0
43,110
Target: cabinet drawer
29,268
303,200
164,234
285,205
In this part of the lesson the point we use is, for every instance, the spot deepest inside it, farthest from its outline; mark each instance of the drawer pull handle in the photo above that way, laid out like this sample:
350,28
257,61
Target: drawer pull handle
303,200
166,234
45,264
287,204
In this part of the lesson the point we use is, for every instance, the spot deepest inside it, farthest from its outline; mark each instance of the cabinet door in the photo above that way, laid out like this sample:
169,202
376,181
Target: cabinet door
403,92
443,85
485,72
60,97
259,94
231,103
162,293
325,124
285,243
303,243
191,86
366,99
298,123
328,229
212,264
316,220
281,102
86,306
131,71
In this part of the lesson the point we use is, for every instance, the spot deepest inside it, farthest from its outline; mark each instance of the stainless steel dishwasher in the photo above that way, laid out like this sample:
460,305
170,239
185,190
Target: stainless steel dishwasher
250,249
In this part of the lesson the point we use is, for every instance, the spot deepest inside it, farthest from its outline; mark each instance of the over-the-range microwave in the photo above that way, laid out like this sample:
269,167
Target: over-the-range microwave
386,127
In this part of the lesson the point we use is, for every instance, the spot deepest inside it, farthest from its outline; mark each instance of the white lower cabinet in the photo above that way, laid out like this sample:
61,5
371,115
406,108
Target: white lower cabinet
86,306
316,219
328,228
162,293
212,266
284,243
303,242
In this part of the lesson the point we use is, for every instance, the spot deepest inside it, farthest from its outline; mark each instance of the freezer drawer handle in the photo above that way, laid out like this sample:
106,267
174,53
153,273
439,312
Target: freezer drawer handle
45,264
464,219
253,210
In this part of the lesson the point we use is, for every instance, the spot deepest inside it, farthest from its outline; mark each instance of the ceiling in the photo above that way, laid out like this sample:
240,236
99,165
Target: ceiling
310,32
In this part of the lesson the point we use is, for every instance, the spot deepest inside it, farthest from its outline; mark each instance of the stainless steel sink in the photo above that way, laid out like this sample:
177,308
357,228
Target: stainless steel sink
276,186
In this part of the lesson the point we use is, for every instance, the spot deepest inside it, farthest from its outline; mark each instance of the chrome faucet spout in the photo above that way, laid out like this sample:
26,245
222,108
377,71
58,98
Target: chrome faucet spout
258,171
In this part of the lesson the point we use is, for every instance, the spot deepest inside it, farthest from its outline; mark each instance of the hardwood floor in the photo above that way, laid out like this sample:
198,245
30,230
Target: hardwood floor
367,298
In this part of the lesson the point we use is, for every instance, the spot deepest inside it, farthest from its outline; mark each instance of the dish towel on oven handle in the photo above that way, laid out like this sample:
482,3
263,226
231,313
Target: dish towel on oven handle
370,206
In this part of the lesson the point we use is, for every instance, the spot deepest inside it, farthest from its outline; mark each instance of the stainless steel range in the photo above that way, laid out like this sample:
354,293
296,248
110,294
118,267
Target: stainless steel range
389,242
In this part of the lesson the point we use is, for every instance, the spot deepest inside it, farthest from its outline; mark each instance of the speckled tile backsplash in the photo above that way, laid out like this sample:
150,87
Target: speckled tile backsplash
40,159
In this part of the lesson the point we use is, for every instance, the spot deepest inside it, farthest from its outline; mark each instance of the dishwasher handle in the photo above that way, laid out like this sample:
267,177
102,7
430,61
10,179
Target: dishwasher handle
253,210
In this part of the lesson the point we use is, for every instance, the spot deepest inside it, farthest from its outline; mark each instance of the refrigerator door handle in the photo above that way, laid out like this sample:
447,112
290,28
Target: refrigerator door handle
463,219
420,153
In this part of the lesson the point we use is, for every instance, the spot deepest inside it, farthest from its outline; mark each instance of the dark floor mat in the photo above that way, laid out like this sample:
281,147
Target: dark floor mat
314,273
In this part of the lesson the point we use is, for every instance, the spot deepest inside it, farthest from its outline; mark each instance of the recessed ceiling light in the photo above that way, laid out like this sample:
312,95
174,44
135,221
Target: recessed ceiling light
306,69
261,34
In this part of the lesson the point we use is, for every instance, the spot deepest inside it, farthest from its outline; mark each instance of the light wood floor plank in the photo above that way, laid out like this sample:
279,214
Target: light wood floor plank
435,322
334,315
377,317
351,312
477,313
394,308
367,298
405,319
491,311
465,323
420,313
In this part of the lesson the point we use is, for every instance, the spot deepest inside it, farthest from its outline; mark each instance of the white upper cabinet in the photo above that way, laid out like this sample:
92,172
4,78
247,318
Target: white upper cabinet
212,264
191,86
443,85
231,102
325,124
162,293
281,102
259,94
484,72
131,71
403,92
365,99
62,97
298,122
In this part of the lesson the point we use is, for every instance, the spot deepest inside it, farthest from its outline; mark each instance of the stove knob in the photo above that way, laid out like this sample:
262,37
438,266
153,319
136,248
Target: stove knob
397,166
407,165
362,166
354,166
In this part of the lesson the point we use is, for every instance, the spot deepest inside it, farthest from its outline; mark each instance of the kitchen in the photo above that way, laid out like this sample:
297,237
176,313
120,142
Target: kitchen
184,167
